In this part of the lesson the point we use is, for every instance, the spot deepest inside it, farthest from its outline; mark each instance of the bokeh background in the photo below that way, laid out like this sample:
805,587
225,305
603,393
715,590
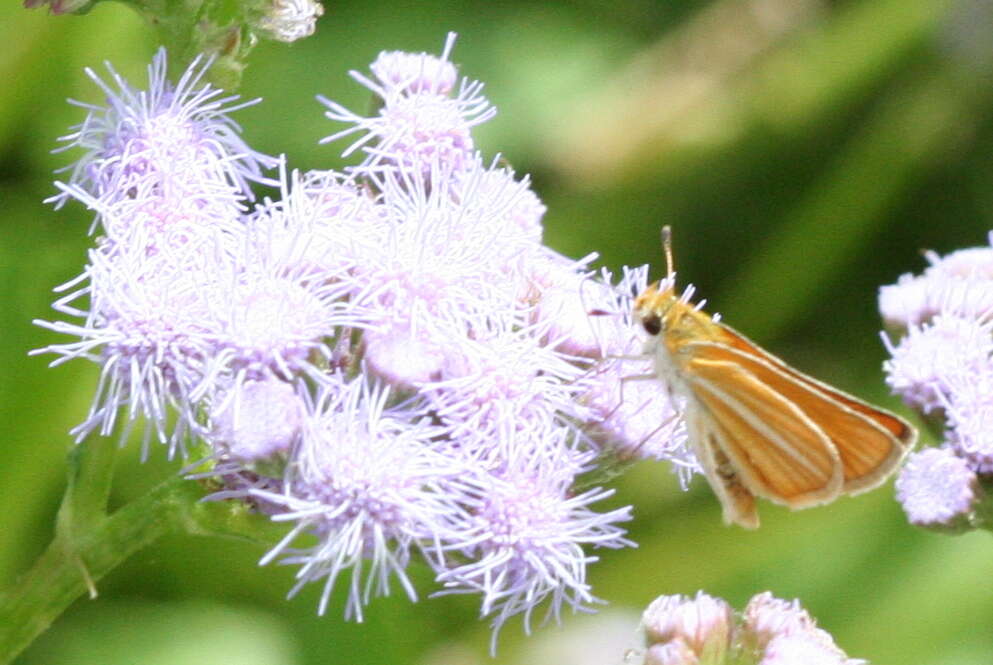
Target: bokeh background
804,152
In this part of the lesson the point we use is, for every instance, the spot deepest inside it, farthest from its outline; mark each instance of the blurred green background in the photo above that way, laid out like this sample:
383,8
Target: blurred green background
804,152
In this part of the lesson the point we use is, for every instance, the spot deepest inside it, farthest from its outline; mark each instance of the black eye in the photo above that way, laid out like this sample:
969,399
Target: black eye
652,324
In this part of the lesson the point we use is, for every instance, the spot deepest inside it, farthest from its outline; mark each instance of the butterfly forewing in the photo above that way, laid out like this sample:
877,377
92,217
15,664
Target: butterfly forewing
776,449
869,441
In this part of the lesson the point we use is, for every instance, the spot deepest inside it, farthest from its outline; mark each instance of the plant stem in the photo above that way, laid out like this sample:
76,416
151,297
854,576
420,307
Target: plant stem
72,563
88,544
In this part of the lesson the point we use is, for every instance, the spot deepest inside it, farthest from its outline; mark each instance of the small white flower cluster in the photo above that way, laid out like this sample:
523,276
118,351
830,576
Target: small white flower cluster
704,631
290,20
388,358
943,367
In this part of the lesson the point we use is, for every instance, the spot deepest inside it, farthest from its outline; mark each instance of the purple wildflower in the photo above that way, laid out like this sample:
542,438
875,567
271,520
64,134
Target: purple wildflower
175,141
778,629
388,359
943,366
418,124
703,624
960,283
670,653
257,420
808,649
369,482
145,327
937,489
931,353
704,631
523,537
401,72
969,410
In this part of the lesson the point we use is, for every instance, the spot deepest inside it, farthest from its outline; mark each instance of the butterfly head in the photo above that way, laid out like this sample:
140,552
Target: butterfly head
654,307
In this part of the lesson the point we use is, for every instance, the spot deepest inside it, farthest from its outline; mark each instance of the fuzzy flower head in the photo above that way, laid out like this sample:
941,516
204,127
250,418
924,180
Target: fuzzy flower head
960,283
418,125
705,631
937,489
324,225
399,72
943,367
172,142
701,625
369,483
523,540
145,327
970,418
387,360
631,418
257,420
776,628
933,355
503,391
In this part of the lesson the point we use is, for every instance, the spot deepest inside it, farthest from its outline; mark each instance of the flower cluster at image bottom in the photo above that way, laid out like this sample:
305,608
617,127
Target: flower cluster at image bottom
942,366
386,358
704,630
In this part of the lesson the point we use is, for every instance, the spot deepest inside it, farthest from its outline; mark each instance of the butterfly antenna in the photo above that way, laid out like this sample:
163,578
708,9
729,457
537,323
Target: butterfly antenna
670,265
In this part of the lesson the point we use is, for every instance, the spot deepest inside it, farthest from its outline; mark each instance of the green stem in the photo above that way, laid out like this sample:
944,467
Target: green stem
88,544
74,561
89,475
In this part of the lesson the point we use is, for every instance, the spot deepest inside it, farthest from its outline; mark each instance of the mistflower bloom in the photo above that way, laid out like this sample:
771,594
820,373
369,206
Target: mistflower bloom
173,142
402,72
418,124
258,420
766,617
776,628
628,417
702,624
387,360
264,324
523,537
290,20
146,328
943,366
369,482
704,631
439,271
670,653
495,387
630,413
807,649
938,489
563,294
969,410
960,283
930,353
324,225
402,357
518,209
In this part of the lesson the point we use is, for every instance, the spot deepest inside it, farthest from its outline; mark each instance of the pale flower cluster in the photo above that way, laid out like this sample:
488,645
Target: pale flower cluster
942,365
704,630
387,359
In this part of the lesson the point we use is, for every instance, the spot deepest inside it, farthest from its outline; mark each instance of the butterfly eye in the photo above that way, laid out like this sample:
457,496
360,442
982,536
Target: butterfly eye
652,324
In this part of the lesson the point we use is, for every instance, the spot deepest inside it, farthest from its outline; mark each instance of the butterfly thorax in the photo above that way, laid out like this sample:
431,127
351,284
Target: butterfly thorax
672,321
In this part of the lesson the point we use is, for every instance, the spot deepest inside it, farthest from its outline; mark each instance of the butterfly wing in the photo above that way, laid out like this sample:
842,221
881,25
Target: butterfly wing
871,442
773,447
737,502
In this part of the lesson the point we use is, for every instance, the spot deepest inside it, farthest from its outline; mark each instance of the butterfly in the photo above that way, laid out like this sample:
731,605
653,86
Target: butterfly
758,426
